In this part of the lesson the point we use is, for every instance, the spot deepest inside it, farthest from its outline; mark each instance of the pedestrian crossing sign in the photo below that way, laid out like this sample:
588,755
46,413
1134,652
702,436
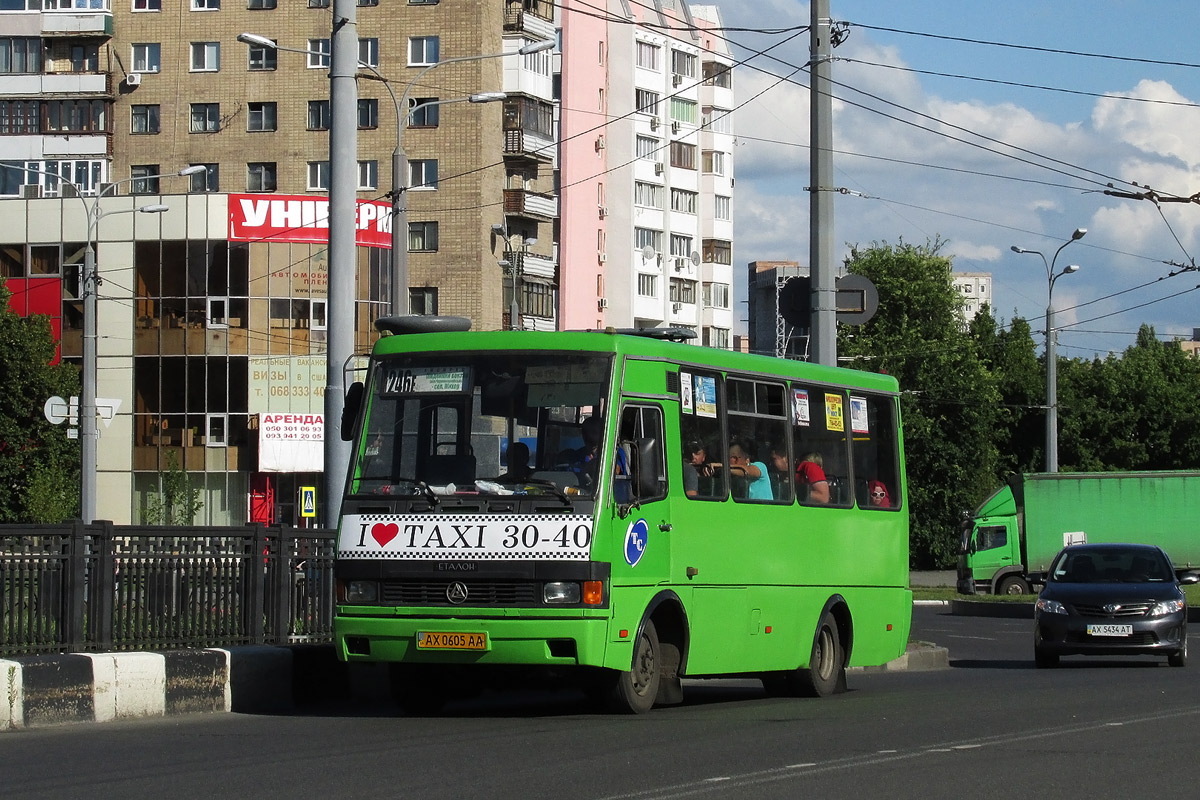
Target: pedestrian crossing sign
308,501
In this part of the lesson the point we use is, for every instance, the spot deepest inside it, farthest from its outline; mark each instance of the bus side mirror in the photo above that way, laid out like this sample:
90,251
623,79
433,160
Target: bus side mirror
647,468
354,396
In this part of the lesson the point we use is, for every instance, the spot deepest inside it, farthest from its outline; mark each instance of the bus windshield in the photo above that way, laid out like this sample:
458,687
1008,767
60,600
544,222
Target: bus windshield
492,424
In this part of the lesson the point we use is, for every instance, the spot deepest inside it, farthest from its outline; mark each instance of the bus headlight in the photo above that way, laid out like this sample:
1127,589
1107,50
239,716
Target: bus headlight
361,592
560,592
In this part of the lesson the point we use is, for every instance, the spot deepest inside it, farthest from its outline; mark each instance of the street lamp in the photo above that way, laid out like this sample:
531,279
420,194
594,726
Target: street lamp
400,168
513,263
1051,356
89,284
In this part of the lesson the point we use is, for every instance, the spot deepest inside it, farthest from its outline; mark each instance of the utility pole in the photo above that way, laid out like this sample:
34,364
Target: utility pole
820,200
343,226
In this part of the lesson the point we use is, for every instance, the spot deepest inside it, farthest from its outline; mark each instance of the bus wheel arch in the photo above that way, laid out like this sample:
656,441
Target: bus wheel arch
659,651
824,672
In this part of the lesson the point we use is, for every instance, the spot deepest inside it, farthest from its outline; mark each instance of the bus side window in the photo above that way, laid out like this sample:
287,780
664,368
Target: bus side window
639,473
819,450
876,460
700,422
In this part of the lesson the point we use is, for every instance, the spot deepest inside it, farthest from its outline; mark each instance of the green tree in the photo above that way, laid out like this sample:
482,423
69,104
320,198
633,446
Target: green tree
1010,355
39,465
949,402
179,502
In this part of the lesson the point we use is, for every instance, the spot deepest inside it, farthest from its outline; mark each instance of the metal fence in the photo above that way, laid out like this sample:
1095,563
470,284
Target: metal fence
78,588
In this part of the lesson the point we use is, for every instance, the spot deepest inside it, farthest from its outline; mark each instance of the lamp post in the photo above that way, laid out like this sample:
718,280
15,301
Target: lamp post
400,170
89,284
1051,355
514,263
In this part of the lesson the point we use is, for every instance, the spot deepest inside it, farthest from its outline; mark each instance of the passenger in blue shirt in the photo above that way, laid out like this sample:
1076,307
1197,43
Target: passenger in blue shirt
755,472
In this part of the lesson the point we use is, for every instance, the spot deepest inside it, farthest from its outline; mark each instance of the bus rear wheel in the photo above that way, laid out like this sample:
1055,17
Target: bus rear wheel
634,692
826,671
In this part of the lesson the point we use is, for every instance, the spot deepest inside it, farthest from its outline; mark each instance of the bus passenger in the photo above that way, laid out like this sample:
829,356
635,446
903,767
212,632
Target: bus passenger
878,495
518,464
755,472
695,464
810,472
779,469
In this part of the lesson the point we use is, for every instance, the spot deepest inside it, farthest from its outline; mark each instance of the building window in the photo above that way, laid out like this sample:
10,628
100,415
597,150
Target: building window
368,51
423,112
146,57
681,246
647,101
20,55
716,337
423,3
683,110
422,51
718,120
144,119
368,114
318,176
76,115
206,56
20,116
716,295
721,207
423,173
262,58
368,174
537,298
648,148
205,182
649,195
318,53
147,5
718,251
206,5
683,64
718,74
318,3
367,2
647,55
647,285
260,5
682,291
422,237
144,178
216,430
645,237
683,155
261,117
714,162
683,201
260,176
423,300
206,117
318,115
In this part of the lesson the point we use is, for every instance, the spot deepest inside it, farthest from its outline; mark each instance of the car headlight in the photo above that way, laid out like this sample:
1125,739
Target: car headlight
560,592
1050,607
361,592
1167,607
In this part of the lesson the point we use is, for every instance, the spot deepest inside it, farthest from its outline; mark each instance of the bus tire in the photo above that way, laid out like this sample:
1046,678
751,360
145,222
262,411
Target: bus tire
1013,584
826,671
634,691
417,690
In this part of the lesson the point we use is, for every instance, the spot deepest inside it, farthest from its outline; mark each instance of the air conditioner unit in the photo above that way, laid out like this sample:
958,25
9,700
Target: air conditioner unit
674,127
676,79
654,123
679,264
133,79
603,211
658,168
599,143
602,303
31,191
676,307
602,257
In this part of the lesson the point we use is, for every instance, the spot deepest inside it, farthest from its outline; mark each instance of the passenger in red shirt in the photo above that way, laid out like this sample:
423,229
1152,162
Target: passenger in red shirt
810,473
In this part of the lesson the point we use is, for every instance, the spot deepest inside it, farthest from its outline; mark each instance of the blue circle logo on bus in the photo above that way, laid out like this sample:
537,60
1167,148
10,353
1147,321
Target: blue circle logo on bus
635,541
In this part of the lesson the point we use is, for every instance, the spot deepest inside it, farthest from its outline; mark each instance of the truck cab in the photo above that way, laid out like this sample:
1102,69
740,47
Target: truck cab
989,558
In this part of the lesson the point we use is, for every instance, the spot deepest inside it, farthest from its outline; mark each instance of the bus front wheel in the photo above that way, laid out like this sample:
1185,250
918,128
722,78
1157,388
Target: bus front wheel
634,692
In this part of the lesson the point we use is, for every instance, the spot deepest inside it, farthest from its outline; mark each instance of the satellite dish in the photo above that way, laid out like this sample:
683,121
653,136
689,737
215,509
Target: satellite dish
647,253
695,258
795,302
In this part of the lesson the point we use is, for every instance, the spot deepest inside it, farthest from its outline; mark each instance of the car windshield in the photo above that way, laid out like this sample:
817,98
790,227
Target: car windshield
1110,566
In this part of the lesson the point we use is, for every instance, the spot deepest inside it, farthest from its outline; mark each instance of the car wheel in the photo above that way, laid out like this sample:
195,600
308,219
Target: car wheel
1179,657
1013,584
1044,660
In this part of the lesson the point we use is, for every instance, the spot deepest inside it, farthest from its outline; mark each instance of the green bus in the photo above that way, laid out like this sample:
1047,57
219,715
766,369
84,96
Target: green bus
565,504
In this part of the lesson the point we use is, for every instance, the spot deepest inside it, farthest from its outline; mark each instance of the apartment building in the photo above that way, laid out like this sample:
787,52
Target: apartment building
213,311
647,168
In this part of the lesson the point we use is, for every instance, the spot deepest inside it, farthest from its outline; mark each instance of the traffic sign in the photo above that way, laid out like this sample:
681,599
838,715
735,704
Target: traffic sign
58,410
308,501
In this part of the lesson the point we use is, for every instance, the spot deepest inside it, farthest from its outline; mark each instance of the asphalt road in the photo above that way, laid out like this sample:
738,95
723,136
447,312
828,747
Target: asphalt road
990,726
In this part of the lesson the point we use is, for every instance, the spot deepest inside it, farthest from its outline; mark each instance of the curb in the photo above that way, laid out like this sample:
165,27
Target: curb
920,657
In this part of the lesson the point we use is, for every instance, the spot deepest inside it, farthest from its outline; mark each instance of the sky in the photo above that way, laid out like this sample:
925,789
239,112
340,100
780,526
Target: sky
1016,150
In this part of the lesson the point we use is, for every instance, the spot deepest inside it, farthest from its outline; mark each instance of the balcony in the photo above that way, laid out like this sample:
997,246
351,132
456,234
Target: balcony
529,145
75,23
531,205
518,20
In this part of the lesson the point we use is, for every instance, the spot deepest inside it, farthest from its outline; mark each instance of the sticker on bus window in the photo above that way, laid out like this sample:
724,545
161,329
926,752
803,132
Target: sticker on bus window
834,415
685,392
800,410
705,396
426,380
635,541
466,537
858,415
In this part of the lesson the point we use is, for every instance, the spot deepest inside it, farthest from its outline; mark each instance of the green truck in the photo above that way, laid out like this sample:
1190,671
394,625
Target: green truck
1020,527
